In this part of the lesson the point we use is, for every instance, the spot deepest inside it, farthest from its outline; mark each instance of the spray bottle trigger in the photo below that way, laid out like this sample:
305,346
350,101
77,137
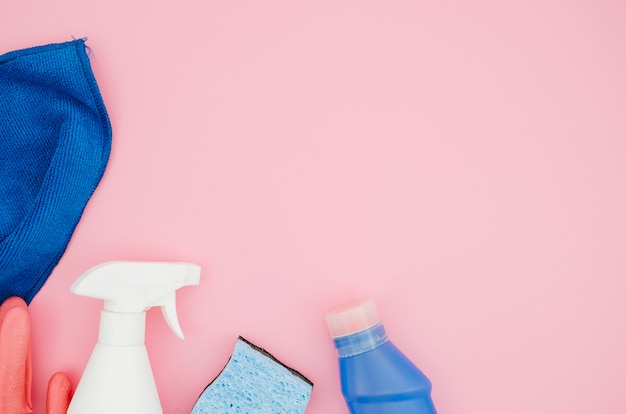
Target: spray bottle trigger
168,307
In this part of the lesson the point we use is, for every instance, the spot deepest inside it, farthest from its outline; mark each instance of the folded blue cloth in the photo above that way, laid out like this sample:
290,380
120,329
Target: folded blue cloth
55,140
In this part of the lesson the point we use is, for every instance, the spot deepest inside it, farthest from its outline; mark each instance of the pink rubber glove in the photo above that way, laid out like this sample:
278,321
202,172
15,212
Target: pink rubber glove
16,365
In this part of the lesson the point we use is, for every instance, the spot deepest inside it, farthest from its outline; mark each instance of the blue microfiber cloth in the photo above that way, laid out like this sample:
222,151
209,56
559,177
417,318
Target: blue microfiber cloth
254,381
55,140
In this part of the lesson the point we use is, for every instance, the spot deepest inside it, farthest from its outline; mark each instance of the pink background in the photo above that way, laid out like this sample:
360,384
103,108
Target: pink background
462,163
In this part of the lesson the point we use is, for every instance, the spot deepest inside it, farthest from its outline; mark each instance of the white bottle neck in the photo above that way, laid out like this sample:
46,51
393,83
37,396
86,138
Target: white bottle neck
122,329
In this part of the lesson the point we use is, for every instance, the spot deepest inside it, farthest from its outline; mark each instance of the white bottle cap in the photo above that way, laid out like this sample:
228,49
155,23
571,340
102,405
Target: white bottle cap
352,318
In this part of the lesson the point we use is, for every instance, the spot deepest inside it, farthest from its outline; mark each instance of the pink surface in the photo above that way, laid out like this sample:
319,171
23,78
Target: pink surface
462,163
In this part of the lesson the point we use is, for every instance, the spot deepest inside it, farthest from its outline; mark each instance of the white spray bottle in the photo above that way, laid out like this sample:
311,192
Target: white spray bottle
118,377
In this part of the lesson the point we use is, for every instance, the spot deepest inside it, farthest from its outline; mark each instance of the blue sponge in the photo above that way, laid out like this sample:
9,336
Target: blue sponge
254,381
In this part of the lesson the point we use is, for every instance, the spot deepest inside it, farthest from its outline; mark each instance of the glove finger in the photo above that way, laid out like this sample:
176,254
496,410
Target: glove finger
10,303
59,394
14,358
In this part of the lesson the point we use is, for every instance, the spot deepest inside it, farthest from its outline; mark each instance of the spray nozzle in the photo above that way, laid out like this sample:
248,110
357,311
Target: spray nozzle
134,287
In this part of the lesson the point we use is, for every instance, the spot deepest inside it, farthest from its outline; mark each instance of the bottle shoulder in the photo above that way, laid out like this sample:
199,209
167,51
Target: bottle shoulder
382,371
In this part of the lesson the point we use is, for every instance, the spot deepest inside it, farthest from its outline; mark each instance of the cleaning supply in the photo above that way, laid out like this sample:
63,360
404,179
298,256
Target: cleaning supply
253,381
376,378
16,364
15,357
118,377
55,139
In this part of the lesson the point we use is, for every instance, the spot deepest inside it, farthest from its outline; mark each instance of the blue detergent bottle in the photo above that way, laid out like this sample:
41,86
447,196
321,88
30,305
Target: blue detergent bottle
376,378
